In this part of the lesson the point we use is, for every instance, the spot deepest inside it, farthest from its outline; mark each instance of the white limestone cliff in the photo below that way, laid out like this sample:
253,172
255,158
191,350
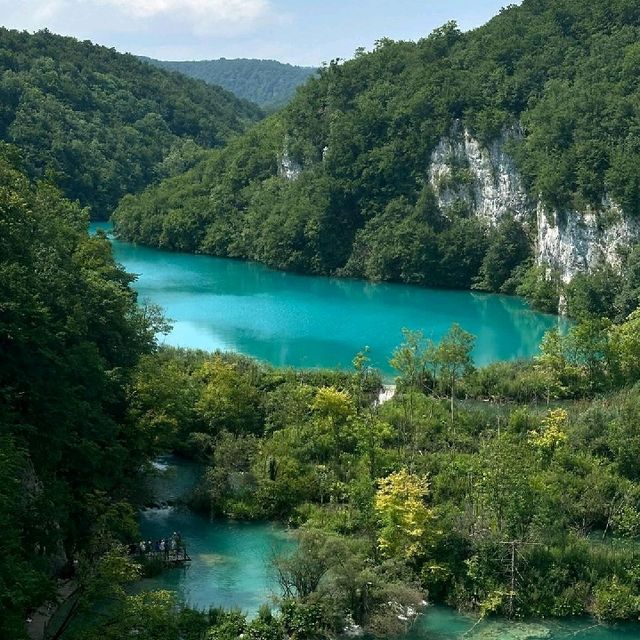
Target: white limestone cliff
484,180
575,242
288,168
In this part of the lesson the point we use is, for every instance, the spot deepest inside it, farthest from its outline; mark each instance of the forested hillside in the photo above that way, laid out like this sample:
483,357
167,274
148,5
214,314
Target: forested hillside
342,180
268,83
102,124
70,334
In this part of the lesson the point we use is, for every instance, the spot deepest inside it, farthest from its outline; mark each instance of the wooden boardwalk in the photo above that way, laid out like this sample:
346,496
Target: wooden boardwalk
170,558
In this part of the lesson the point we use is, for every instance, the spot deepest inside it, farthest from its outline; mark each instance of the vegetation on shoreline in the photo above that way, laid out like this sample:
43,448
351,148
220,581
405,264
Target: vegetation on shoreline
509,490
70,334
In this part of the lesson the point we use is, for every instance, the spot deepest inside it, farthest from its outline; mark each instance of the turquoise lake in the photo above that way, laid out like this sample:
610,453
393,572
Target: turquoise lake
308,321
230,560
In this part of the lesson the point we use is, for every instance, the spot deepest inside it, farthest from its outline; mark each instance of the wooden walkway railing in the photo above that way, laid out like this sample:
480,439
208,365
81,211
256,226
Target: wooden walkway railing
178,556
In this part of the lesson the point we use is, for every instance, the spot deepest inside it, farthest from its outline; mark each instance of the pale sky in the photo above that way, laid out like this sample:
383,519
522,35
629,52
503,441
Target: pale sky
302,32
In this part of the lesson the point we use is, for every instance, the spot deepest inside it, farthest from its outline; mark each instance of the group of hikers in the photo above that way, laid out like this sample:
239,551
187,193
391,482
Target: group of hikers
171,546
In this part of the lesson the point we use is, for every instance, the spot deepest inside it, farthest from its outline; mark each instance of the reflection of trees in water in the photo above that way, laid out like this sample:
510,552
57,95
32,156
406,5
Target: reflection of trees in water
310,321
529,324
506,327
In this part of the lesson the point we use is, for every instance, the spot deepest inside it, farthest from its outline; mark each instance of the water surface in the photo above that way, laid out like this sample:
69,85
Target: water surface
442,623
308,321
230,560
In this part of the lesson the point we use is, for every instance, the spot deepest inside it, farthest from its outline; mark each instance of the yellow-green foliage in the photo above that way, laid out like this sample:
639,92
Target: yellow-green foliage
405,519
552,434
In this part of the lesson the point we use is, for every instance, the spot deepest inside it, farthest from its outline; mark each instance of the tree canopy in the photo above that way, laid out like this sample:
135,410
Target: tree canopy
70,333
102,124
267,83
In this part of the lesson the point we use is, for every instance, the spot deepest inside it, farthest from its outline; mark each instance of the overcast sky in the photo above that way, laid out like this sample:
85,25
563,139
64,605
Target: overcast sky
297,31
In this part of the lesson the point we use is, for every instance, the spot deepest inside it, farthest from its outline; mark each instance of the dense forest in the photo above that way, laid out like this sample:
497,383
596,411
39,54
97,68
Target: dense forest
70,334
337,182
102,124
267,83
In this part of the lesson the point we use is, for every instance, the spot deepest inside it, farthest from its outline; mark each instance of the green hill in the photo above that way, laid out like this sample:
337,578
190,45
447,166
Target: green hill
268,83
454,161
103,124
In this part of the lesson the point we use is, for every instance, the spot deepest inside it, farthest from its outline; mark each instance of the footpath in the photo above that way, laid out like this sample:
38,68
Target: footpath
38,623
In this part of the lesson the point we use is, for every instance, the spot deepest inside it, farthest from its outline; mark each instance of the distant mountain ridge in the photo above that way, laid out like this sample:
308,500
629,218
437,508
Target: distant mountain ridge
267,83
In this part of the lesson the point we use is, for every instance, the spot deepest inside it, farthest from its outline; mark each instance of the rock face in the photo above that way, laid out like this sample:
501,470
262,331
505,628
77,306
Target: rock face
462,172
573,242
288,168
483,181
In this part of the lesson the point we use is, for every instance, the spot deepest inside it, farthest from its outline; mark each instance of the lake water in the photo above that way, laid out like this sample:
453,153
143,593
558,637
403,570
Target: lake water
230,560
307,321
230,568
